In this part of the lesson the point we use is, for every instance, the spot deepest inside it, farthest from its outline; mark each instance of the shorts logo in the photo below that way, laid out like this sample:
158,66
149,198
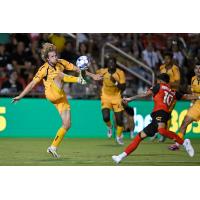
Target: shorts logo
158,118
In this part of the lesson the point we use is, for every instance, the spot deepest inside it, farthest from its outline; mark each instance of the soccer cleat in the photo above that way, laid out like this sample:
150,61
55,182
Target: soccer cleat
53,152
116,159
173,147
109,132
119,140
188,147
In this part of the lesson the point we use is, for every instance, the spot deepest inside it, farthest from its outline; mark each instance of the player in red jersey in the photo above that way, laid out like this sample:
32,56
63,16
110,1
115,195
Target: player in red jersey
164,98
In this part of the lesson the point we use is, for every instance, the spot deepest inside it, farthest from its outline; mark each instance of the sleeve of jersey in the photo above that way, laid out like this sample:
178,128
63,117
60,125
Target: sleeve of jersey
155,89
99,71
68,65
40,74
122,79
192,86
176,74
161,69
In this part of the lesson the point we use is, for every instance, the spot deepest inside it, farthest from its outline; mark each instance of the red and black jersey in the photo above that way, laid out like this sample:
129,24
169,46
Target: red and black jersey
164,97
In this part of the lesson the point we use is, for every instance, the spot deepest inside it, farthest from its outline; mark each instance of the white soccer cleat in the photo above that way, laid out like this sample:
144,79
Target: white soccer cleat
116,159
53,152
119,140
188,147
109,132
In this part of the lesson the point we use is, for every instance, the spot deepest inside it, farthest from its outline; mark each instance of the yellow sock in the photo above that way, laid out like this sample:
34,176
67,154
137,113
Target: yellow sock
180,135
59,136
109,124
70,79
119,131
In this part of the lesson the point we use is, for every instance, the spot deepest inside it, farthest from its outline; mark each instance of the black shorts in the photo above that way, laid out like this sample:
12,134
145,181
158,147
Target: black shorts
157,117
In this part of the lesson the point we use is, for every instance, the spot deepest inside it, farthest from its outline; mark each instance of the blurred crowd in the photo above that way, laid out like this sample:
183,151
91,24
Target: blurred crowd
20,56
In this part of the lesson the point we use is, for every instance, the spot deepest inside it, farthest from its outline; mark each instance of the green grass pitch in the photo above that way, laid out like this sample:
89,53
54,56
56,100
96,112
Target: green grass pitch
91,152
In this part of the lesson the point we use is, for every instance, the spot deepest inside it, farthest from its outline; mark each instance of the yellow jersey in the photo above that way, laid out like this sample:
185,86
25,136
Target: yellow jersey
47,73
194,110
195,85
109,88
173,72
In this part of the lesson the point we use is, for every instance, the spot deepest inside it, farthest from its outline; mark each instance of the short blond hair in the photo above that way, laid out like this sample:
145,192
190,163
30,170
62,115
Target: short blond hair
46,48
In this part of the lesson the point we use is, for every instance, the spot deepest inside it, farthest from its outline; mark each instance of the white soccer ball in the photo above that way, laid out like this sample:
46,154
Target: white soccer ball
83,62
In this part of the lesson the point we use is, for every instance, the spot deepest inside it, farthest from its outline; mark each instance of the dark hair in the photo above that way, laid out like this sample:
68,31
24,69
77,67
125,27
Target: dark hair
110,58
197,63
168,53
164,77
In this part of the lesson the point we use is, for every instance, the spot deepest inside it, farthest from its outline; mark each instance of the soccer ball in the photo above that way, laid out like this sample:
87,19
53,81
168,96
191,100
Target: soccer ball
83,62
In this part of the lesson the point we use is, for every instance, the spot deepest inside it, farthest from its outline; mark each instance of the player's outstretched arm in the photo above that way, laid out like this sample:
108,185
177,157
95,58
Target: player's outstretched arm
96,77
190,97
27,89
139,96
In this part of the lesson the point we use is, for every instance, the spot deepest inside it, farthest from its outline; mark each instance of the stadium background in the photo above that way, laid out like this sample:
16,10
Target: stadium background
20,58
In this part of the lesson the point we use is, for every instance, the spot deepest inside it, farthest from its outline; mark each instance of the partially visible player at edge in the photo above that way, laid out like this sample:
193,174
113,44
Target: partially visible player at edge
51,72
163,97
193,114
113,85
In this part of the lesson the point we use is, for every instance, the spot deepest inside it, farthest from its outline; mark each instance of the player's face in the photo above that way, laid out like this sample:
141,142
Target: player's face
167,60
52,58
197,70
111,65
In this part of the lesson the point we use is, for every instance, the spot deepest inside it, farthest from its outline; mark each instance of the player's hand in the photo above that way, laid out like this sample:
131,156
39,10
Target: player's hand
16,99
97,77
126,100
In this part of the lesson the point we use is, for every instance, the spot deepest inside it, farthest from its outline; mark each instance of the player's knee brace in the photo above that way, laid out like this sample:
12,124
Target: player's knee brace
106,118
106,115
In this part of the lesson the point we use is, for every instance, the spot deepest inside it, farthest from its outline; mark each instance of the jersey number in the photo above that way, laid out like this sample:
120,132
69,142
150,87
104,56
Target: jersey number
168,98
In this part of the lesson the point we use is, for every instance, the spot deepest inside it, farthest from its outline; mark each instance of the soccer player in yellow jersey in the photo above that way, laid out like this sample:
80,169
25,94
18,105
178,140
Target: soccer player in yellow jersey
172,70
193,113
174,75
113,85
51,72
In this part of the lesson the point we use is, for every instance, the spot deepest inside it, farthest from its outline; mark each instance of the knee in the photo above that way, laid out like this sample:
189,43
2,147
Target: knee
161,130
106,117
66,125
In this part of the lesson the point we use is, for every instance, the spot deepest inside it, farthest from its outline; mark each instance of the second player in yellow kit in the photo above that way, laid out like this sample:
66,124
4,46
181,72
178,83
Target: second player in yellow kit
113,86
172,70
193,113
